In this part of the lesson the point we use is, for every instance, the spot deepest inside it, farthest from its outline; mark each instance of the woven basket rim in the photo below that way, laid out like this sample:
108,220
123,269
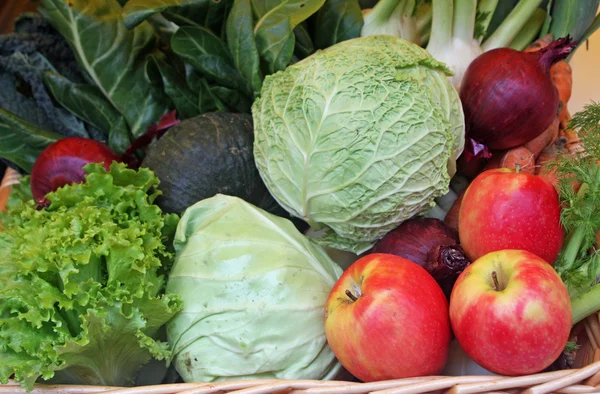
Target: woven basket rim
582,380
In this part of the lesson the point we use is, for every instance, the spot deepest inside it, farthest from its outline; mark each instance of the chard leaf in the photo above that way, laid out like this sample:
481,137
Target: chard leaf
21,142
209,55
304,43
204,13
137,11
337,21
274,30
174,85
207,101
232,98
115,62
87,103
241,43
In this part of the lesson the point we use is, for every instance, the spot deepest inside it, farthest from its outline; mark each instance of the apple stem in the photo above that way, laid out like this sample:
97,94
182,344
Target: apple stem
351,296
495,279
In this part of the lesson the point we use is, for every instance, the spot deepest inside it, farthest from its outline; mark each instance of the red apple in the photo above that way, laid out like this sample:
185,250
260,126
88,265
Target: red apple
387,318
506,209
511,312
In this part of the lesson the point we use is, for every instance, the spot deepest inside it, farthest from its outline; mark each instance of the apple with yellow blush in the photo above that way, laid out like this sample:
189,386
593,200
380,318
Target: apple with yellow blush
511,312
387,318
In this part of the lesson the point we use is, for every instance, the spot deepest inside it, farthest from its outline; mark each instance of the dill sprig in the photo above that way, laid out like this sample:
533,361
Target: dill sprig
579,262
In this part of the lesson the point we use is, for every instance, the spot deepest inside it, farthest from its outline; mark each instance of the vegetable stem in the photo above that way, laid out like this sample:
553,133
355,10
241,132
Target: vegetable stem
514,22
531,30
351,296
423,20
495,279
441,25
571,249
383,9
585,304
464,19
486,7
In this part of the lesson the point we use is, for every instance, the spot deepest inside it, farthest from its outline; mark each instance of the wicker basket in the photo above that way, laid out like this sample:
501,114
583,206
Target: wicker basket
583,377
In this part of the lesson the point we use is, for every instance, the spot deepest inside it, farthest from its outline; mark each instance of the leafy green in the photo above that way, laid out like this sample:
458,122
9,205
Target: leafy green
240,291
337,21
174,85
572,17
274,29
23,63
241,43
579,262
235,101
88,103
137,11
115,63
358,138
21,142
304,43
204,13
82,281
210,56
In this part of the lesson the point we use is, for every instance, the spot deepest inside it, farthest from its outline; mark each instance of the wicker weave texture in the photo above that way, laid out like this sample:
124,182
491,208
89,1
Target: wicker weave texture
584,380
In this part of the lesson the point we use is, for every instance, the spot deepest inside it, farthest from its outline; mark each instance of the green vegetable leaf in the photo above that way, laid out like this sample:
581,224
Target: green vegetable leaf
137,11
21,142
174,85
241,43
275,42
232,99
114,63
304,44
572,17
266,273
87,103
207,53
203,13
274,29
337,21
82,281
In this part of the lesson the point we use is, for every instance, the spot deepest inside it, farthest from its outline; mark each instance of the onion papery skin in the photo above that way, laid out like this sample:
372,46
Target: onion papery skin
508,96
62,162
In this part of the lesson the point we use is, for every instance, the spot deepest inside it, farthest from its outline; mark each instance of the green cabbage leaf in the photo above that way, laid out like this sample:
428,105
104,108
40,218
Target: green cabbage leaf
254,290
82,282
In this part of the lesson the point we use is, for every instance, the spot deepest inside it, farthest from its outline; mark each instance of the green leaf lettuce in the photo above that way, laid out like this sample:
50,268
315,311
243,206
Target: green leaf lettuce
82,282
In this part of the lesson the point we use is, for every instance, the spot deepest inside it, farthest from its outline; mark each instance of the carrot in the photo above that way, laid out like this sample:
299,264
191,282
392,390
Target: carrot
540,43
561,74
544,162
519,157
537,145
451,219
562,77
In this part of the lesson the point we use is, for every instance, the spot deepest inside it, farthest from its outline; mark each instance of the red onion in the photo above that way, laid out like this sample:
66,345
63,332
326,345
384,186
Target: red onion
61,163
429,243
508,96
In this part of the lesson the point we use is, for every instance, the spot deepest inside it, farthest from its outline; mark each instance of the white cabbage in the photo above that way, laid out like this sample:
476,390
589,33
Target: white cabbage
253,290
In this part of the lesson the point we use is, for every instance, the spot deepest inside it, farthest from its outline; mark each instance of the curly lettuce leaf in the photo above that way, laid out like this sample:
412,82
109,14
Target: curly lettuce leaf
82,282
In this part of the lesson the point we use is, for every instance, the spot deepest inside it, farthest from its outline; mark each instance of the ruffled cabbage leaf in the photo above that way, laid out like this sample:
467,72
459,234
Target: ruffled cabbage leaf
359,137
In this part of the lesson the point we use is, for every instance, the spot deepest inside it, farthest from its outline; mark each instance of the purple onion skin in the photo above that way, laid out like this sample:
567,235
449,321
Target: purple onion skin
429,243
508,96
